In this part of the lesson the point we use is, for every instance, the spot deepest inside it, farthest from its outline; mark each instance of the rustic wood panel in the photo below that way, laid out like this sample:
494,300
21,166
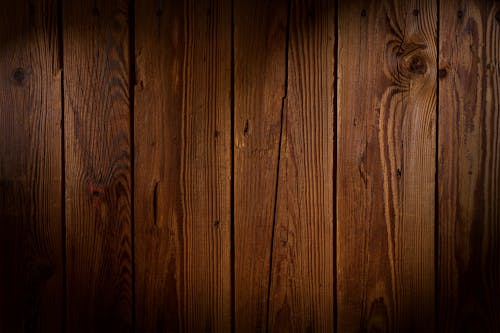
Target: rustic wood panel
183,165
30,168
469,167
386,165
302,288
260,32
98,166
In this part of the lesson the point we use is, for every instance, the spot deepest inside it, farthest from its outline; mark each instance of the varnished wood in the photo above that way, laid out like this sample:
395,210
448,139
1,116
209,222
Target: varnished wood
183,165
31,266
260,32
98,165
302,291
386,165
469,167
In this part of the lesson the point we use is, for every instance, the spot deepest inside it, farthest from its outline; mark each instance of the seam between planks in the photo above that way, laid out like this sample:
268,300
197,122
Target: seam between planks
232,242
436,179
63,165
335,158
132,81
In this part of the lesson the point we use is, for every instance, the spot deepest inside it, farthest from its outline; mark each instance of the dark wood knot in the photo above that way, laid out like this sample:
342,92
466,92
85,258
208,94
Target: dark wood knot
460,14
442,73
417,65
19,76
416,12
363,12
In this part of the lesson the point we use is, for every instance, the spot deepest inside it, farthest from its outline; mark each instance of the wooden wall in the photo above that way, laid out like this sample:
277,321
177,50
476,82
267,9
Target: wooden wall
250,166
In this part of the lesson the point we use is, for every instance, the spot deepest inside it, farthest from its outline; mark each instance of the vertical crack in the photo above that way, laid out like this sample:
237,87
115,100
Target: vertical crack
283,100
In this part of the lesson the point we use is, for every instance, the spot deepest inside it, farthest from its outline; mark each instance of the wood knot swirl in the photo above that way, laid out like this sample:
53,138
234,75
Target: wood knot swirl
417,65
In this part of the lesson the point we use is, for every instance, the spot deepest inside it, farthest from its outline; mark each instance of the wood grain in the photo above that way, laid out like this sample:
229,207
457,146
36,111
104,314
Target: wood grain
469,167
386,165
183,165
98,166
260,32
302,287
30,168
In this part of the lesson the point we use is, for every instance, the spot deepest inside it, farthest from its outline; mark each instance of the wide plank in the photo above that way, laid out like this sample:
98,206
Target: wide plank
302,290
260,32
469,167
386,165
31,265
98,165
183,165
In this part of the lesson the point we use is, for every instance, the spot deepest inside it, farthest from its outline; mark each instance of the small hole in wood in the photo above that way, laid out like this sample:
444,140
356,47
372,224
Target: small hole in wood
363,12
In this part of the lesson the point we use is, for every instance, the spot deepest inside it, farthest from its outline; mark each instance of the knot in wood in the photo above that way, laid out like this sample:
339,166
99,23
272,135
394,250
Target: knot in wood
19,76
417,65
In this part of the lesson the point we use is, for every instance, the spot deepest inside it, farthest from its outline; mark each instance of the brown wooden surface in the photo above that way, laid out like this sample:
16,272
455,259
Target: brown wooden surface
31,268
302,285
183,165
249,166
469,167
98,166
386,165
260,32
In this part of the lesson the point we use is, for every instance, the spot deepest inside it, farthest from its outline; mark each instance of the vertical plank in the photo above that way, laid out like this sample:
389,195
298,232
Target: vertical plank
260,32
98,175
302,286
183,165
386,165
469,166
30,168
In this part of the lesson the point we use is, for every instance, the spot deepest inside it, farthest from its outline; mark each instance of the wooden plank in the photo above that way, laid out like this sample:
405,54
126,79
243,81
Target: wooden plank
98,175
302,287
260,31
469,167
386,165
183,165
30,168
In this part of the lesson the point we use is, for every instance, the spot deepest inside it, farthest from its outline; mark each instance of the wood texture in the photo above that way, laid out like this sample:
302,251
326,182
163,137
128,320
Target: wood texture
469,167
30,168
386,165
302,288
183,165
98,166
260,32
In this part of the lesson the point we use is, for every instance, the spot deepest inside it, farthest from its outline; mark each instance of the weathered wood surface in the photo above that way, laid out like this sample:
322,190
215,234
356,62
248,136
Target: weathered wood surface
31,265
386,165
469,167
301,297
98,165
233,165
260,42
183,165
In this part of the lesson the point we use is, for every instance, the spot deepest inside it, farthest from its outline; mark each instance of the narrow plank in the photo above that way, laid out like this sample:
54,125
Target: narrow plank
469,167
386,165
183,165
30,168
302,288
98,175
260,31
